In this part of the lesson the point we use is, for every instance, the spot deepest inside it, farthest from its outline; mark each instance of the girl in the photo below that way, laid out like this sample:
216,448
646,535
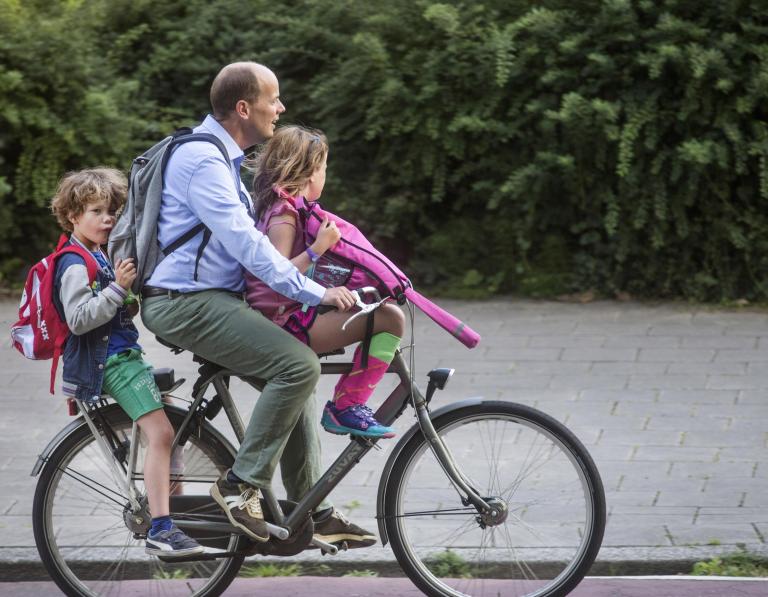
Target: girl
293,164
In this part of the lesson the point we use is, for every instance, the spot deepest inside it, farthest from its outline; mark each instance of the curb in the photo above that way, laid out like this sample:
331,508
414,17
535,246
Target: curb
23,564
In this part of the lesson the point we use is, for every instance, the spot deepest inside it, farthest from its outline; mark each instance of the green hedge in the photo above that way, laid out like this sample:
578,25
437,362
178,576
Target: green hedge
493,146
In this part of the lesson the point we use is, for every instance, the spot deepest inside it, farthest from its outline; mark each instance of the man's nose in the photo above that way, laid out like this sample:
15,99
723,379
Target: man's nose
281,108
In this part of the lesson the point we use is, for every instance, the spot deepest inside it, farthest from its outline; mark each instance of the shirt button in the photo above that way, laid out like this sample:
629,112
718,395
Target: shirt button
105,338
101,365
281,309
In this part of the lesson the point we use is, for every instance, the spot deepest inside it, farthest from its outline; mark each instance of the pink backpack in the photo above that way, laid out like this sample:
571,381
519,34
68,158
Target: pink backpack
40,333
354,262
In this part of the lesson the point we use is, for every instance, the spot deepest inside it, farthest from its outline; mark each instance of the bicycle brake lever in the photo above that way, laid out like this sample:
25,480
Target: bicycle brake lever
365,308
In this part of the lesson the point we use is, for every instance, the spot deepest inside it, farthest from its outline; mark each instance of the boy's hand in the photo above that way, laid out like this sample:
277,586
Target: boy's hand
125,273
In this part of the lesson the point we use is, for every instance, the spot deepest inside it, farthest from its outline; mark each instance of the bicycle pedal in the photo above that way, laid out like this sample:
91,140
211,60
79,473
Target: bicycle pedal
367,441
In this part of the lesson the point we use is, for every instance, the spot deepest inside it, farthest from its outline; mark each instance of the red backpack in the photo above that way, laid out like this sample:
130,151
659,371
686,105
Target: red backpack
40,333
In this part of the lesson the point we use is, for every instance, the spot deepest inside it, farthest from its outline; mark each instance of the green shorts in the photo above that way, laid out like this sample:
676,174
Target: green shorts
127,378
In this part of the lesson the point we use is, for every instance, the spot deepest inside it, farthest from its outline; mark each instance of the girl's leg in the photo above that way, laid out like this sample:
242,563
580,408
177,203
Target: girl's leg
357,386
157,429
326,333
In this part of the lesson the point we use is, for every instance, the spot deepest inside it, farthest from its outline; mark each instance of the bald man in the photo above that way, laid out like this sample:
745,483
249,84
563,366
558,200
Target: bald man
194,300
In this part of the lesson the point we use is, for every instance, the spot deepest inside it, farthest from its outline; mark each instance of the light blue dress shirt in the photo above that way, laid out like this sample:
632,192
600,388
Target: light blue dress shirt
201,186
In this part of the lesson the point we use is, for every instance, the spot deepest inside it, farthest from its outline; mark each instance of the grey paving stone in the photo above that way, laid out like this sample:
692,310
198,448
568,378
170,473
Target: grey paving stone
738,382
720,398
722,439
642,342
668,382
628,534
741,356
690,330
680,454
550,368
666,355
599,354
628,368
588,382
720,496
620,394
720,342
703,533
689,423
708,368
624,437
752,397
571,341
722,471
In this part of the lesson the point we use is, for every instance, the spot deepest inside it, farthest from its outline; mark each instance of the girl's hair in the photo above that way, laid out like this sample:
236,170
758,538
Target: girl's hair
287,161
79,189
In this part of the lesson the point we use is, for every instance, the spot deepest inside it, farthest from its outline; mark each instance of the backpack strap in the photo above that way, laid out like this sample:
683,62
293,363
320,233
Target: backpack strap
92,268
365,348
181,136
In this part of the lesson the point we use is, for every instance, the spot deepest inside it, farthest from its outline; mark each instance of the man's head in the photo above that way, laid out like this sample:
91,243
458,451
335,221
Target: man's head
245,97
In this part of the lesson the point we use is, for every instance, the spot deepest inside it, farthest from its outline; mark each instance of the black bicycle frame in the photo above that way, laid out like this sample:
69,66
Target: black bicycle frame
387,413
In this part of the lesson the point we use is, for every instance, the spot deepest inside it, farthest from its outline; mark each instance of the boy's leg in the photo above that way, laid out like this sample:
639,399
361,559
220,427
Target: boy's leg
128,379
156,427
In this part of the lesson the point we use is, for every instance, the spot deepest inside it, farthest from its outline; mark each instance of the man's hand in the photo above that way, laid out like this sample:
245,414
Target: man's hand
125,273
339,297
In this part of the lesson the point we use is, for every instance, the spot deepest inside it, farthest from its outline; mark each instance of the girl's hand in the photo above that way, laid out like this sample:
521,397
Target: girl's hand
327,236
125,273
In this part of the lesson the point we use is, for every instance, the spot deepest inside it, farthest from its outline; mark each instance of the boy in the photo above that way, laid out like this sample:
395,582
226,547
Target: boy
102,353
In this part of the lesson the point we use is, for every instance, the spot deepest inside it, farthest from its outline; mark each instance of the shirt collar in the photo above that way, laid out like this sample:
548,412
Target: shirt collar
233,149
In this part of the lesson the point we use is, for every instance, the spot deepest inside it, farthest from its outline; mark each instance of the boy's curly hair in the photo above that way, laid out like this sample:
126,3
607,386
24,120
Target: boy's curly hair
79,189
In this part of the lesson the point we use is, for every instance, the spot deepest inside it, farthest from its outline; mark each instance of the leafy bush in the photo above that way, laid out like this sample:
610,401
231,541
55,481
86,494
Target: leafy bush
490,146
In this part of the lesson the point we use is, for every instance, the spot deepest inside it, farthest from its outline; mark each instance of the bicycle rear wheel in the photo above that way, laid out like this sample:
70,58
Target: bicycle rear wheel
79,517
536,472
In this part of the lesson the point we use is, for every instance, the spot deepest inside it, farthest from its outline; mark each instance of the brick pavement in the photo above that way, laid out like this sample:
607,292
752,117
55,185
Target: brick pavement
669,399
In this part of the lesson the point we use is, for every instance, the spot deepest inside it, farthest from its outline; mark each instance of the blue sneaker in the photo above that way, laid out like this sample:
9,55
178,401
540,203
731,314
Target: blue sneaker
172,543
355,420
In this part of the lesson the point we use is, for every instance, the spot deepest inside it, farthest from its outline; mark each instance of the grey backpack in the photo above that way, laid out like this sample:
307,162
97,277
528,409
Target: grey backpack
135,232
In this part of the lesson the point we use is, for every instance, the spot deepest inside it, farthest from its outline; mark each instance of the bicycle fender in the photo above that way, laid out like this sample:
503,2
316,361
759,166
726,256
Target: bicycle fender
387,471
80,421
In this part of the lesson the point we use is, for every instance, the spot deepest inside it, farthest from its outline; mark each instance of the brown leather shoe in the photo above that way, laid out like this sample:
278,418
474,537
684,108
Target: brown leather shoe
241,504
335,528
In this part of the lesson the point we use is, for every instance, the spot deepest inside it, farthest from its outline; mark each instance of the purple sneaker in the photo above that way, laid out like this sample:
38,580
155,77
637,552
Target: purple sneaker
355,420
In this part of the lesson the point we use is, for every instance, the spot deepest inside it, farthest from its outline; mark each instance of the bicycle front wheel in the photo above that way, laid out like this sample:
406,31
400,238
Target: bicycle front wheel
533,470
90,542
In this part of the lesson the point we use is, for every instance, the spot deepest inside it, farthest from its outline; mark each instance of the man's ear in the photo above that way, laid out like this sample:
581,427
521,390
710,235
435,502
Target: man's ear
242,108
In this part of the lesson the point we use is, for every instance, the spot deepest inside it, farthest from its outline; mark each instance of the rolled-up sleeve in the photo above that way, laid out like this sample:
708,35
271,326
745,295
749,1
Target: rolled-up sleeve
211,198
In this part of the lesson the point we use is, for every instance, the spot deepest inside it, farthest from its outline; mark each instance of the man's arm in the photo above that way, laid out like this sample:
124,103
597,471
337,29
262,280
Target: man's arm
212,198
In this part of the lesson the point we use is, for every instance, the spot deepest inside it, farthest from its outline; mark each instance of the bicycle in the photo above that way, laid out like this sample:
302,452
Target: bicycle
478,497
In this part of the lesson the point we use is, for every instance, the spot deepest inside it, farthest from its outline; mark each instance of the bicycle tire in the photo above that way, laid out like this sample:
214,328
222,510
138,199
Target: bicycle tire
545,477
76,497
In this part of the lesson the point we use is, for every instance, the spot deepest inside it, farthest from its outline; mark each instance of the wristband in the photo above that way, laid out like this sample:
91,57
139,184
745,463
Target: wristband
313,257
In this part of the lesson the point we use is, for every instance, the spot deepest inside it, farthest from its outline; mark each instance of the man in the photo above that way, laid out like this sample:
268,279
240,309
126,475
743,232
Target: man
194,300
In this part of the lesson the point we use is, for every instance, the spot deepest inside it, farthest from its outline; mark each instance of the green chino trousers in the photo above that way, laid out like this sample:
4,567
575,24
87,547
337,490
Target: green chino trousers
220,327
